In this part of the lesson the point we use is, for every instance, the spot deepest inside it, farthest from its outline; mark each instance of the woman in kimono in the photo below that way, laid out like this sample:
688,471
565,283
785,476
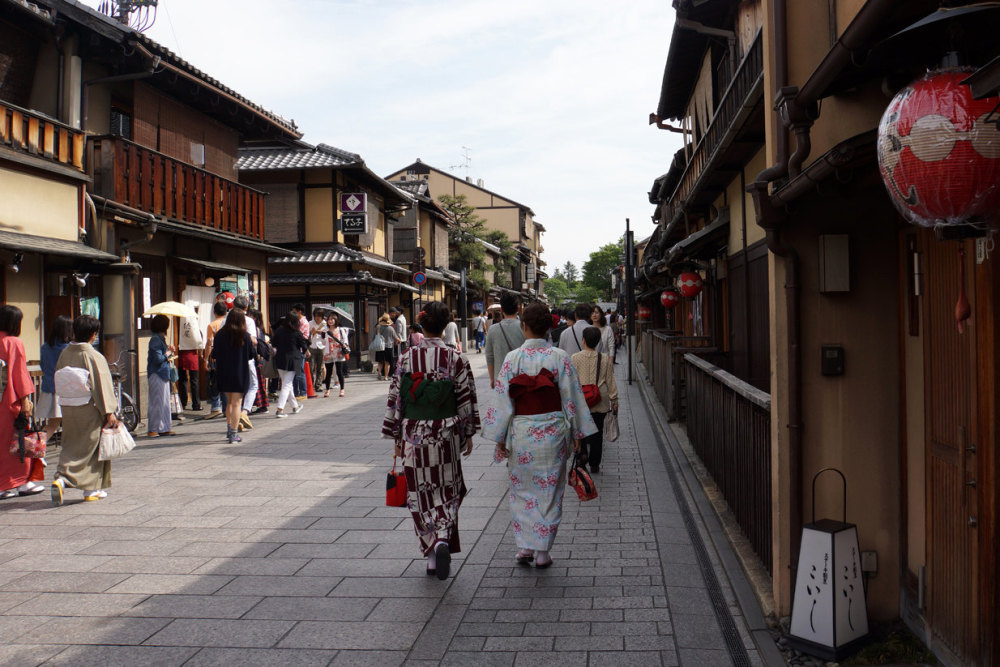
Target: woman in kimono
539,412
17,475
87,397
432,415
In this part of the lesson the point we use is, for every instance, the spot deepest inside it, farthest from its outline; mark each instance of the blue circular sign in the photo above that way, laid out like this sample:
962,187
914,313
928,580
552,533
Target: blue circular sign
420,277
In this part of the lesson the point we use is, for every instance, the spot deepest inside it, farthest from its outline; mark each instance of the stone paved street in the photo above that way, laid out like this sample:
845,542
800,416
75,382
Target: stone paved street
281,551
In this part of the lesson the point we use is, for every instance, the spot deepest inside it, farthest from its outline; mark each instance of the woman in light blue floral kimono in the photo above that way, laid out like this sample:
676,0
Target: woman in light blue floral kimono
538,413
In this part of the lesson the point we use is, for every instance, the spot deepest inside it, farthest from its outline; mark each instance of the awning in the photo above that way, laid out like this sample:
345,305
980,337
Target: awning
212,266
718,230
41,245
341,278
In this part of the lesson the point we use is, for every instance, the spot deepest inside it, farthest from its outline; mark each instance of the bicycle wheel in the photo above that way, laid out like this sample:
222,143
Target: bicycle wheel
128,414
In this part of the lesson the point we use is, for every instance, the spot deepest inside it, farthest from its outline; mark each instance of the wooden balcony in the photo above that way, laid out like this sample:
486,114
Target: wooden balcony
34,134
156,183
741,97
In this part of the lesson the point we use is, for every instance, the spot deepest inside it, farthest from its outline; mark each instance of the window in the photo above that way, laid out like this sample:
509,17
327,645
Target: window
121,121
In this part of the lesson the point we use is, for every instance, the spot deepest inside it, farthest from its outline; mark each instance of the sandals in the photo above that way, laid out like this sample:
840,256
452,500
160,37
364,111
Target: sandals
442,555
524,557
342,392
12,493
30,489
327,394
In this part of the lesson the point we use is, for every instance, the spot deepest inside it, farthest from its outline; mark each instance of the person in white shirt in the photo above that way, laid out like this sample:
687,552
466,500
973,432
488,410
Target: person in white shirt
479,330
450,335
317,346
399,324
571,340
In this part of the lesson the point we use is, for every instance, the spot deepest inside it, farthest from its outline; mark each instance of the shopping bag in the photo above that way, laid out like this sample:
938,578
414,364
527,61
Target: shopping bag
115,442
581,481
27,442
611,427
395,487
176,407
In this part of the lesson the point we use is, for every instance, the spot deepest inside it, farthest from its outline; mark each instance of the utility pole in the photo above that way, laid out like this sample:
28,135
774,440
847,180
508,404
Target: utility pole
629,297
463,308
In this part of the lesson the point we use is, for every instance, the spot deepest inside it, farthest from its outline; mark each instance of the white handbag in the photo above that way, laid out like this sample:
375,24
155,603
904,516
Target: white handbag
611,427
115,442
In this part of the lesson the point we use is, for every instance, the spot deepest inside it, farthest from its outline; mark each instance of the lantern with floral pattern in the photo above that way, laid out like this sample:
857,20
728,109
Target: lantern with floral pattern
689,283
670,298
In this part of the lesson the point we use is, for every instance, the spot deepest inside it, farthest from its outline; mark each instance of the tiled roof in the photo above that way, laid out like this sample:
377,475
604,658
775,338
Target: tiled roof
47,246
337,278
415,188
301,157
336,253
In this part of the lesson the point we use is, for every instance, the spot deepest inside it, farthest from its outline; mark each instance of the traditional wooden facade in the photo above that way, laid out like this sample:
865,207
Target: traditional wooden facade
909,416
355,272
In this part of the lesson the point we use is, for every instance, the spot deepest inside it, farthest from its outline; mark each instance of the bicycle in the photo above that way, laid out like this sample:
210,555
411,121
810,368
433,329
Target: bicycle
127,412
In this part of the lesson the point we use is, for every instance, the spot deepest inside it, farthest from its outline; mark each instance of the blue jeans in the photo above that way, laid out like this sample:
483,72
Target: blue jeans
480,339
299,384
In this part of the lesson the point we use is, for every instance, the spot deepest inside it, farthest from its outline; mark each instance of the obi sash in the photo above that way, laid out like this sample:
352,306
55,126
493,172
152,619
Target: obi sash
535,394
427,399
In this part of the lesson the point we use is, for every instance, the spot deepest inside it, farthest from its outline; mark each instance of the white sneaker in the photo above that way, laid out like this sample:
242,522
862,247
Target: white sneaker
280,415
297,409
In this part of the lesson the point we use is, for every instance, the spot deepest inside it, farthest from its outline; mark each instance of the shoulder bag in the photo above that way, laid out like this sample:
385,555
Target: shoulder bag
611,427
377,344
592,392
27,442
581,481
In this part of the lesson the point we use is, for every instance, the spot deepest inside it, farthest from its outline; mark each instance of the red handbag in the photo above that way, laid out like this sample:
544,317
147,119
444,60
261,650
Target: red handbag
592,392
581,481
395,487
27,442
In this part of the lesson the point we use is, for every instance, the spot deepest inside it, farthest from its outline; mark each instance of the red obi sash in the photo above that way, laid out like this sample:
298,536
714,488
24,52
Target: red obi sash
535,394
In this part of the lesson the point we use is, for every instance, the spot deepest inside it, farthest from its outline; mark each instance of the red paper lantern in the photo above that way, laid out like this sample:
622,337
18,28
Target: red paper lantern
670,298
645,313
226,298
690,284
939,152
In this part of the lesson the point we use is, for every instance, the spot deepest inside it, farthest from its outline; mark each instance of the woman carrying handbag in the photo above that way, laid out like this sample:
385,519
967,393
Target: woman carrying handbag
592,365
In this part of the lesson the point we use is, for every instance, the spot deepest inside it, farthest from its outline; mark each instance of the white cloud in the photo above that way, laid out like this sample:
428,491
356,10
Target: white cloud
551,96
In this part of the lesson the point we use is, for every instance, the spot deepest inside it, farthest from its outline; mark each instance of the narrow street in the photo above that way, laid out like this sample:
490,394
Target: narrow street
281,551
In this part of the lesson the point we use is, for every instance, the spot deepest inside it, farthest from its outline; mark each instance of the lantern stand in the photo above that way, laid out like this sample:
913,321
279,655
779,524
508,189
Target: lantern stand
827,619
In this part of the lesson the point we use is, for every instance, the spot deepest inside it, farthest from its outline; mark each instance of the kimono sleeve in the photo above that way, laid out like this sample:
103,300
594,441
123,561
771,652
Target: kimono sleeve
18,377
465,394
392,425
574,402
101,384
501,412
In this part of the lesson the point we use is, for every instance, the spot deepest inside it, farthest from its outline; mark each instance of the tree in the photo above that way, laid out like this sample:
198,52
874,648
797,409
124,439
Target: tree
557,291
570,273
507,260
463,238
559,274
585,294
598,269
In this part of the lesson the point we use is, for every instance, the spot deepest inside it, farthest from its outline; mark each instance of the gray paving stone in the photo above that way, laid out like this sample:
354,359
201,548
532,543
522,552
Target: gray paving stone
490,629
629,658
408,609
650,643
364,635
354,587
76,604
354,658
463,659
322,550
152,564
518,644
93,630
315,609
536,658
189,584
697,631
217,632
708,658
123,656
589,643
55,563
63,582
284,657
684,600
251,566
193,606
355,567
642,628
26,655
525,616
279,586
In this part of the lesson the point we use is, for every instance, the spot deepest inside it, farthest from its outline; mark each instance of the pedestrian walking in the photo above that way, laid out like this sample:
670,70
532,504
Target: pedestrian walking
190,345
399,325
539,412
318,345
571,340
600,320
504,336
242,304
594,368
386,359
479,327
432,416
301,392
416,335
214,397
232,350
450,335
337,352
158,377
263,350
87,397
289,349
48,409
18,476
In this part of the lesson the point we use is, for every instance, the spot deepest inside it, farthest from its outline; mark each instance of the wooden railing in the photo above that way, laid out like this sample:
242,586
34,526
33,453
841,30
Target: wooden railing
156,183
733,105
729,426
662,355
34,134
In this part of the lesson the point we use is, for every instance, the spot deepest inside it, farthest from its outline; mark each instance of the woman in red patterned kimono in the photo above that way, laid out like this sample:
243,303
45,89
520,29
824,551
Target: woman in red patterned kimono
17,477
432,415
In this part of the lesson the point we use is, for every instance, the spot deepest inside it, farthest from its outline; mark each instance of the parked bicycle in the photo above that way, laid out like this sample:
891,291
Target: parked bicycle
127,412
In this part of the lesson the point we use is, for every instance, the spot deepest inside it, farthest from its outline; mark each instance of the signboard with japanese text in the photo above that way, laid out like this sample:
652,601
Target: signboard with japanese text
354,223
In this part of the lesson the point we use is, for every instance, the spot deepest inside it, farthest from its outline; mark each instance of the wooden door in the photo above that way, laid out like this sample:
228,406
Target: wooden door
949,407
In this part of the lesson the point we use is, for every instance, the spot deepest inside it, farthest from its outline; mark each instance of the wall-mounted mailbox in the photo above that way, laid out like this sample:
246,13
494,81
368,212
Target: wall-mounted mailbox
834,263
832,361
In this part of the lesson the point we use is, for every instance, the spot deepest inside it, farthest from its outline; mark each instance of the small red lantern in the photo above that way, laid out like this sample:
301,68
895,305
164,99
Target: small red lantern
645,313
690,284
227,298
670,298
939,152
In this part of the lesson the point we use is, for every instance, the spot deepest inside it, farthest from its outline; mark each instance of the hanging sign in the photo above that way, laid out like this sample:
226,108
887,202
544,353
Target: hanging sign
353,202
354,223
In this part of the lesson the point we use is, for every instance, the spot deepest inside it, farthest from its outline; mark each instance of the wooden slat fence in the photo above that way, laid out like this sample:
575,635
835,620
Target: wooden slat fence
34,134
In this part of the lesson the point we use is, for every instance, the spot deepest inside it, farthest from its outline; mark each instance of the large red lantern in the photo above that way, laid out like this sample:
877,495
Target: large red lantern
227,298
644,312
690,284
670,298
939,152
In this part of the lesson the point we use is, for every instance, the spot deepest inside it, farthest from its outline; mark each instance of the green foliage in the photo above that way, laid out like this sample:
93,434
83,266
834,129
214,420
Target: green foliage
570,273
464,247
586,294
598,269
508,256
557,291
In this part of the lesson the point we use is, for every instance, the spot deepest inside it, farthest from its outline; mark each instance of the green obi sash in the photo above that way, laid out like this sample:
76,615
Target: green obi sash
427,399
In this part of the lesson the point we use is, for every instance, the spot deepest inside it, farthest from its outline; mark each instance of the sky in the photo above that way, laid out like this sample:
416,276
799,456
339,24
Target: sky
550,97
